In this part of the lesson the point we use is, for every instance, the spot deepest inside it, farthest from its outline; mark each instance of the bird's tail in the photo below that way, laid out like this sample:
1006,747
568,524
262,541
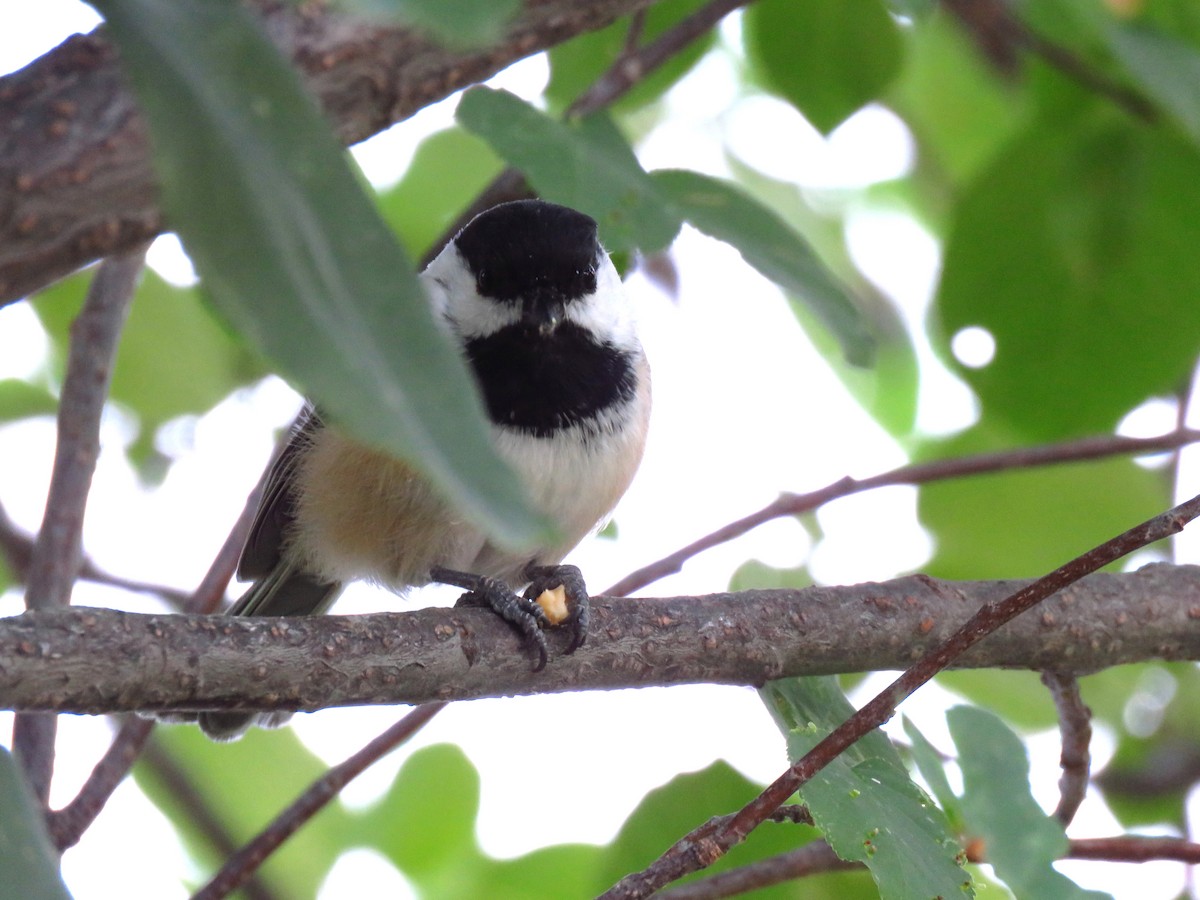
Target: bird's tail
285,591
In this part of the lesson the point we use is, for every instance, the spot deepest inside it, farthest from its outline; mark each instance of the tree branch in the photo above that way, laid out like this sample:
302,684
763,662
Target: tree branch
94,661
74,160
58,550
706,844
1079,450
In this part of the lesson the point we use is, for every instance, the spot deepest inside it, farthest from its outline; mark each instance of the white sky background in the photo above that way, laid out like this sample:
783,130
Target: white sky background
744,408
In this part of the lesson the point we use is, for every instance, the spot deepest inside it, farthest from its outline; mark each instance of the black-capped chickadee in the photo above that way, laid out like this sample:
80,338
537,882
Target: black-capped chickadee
540,313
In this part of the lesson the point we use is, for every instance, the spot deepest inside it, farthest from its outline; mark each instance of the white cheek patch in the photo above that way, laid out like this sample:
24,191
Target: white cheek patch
456,303
607,313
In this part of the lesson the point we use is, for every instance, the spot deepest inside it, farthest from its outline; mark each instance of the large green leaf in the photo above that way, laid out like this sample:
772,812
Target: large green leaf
28,861
587,165
770,245
295,255
1020,840
864,801
1075,249
827,57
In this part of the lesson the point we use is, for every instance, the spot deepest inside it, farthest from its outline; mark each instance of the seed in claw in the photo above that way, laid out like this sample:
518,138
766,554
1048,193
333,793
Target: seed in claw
553,602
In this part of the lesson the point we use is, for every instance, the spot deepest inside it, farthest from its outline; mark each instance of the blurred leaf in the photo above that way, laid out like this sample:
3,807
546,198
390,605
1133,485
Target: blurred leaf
864,801
691,799
755,575
456,23
586,165
425,824
767,243
27,859
1021,841
1075,250
231,778
957,107
826,57
1018,696
932,768
1025,522
576,64
448,171
1166,69
174,357
887,390
19,399
295,255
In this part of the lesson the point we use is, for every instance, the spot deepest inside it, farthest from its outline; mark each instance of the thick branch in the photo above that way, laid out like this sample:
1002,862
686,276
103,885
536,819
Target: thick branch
75,177
94,661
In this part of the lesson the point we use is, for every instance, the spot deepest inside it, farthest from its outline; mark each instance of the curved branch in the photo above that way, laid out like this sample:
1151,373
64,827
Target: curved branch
76,182
94,661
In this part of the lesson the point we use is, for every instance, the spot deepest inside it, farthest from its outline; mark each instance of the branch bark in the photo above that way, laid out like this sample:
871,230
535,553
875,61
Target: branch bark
76,181
97,661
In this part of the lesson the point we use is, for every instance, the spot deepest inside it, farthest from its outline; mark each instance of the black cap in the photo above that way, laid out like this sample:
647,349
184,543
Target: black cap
530,249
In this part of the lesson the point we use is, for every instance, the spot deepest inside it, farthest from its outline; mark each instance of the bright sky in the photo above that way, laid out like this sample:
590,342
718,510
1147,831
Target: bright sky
725,440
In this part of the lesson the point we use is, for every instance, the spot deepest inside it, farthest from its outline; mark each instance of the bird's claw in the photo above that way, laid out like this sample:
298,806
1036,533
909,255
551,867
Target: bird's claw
544,578
520,612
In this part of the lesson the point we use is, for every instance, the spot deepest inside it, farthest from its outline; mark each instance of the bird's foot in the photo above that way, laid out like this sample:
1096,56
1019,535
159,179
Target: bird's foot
569,580
522,613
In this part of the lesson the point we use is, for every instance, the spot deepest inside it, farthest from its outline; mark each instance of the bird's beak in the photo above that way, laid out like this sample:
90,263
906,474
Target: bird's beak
544,313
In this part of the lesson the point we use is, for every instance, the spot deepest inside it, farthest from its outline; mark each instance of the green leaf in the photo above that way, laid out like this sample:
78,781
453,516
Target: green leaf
20,400
576,64
721,210
231,777
959,109
933,770
887,390
1166,69
456,23
28,861
1075,249
174,357
1021,841
294,254
826,57
587,165
864,801
425,824
448,171
1025,522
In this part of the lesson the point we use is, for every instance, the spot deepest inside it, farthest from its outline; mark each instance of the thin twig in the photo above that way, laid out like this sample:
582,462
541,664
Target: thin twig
244,862
1075,728
177,780
1090,448
999,33
811,859
68,824
635,63
1134,848
16,546
818,857
705,845
58,550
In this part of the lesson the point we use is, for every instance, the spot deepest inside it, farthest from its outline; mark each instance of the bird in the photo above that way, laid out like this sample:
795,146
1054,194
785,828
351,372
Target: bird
533,302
